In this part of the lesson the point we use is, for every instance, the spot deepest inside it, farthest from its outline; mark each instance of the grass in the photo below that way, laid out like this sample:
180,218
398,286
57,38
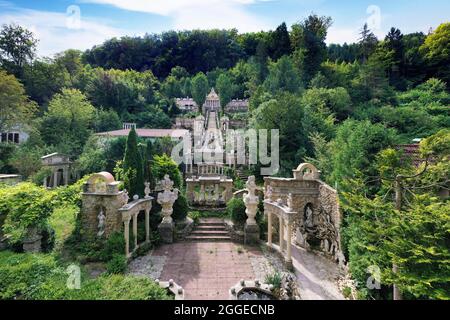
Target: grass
62,220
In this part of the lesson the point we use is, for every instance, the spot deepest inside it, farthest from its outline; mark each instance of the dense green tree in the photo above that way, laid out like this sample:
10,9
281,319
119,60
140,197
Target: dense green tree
394,43
225,89
199,88
367,42
280,43
106,120
355,147
436,50
15,107
17,48
162,165
308,41
283,112
283,77
133,166
66,125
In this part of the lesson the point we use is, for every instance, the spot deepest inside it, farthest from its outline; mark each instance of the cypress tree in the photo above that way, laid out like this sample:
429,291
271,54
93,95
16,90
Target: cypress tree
132,166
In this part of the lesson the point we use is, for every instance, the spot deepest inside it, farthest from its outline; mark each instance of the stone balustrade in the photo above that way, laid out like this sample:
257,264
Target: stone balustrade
285,214
130,212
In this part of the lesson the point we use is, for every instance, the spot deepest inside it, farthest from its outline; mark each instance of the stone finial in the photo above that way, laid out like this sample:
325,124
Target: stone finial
166,183
147,190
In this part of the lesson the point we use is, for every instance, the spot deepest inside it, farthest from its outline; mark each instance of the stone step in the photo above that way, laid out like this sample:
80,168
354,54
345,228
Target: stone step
209,233
210,228
208,238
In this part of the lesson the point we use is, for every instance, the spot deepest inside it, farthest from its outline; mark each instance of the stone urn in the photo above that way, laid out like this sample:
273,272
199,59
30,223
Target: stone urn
167,198
251,201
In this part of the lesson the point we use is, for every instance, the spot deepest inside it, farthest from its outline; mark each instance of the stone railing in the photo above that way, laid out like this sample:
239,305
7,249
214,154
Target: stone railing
131,211
285,214
209,191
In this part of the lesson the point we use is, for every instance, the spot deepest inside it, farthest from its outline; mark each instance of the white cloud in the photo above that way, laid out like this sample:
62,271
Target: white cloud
54,35
193,14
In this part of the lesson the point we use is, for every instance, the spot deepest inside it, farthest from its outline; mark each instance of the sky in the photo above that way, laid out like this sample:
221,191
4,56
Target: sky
81,24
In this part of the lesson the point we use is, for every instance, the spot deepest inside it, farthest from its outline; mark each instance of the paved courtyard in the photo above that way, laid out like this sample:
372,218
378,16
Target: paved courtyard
206,270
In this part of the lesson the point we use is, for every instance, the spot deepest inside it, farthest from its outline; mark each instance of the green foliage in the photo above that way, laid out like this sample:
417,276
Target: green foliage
236,211
199,88
225,88
274,279
20,274
15,105
419,247
39,277
180,208
163,165
133,166
283,77
117,264
25,206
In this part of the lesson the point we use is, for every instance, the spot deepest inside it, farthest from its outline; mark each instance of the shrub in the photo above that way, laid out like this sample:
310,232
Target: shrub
117,264
163,165
115,245
236,211
21,273
274,279
180,208
25,206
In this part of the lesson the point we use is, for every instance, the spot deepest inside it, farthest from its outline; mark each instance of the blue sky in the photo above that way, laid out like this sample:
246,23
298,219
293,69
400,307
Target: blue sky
80,24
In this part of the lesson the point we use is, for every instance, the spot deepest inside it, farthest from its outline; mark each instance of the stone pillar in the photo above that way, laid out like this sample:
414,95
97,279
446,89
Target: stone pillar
251,200
135,235
126,225
55,179
147,225
269,228
166,199
281,232
289,244
66,176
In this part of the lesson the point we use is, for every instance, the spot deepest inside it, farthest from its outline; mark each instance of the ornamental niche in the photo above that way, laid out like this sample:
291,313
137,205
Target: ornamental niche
313,209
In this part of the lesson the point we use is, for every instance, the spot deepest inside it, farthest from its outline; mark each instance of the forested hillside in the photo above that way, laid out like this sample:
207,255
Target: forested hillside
344,108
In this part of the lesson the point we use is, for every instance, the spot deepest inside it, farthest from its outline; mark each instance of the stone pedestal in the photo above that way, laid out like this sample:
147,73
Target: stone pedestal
166,230
251,234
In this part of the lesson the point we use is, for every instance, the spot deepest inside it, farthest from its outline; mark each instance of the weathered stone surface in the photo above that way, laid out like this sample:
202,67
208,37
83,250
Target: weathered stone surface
166,231
251,234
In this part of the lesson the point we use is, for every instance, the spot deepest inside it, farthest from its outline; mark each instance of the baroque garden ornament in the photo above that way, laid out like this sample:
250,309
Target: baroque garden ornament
166,199
251,201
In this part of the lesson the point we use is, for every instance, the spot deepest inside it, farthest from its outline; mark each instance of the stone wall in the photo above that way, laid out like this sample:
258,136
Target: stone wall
92,204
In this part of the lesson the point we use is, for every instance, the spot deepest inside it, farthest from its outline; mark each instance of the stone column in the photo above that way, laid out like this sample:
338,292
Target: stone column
126,225
66,176
281,232
269,228
55,179
147,225
288,244
135,230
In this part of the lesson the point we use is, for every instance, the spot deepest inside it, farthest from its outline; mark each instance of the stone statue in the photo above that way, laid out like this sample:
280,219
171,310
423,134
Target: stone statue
309,221
167,198
147,190
101,223
126,197
251,201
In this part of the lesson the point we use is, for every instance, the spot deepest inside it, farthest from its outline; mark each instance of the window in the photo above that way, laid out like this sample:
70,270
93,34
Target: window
4,137
16,138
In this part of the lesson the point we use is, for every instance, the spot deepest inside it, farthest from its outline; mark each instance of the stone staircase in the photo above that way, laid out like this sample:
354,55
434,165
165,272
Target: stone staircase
241,174
209,229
